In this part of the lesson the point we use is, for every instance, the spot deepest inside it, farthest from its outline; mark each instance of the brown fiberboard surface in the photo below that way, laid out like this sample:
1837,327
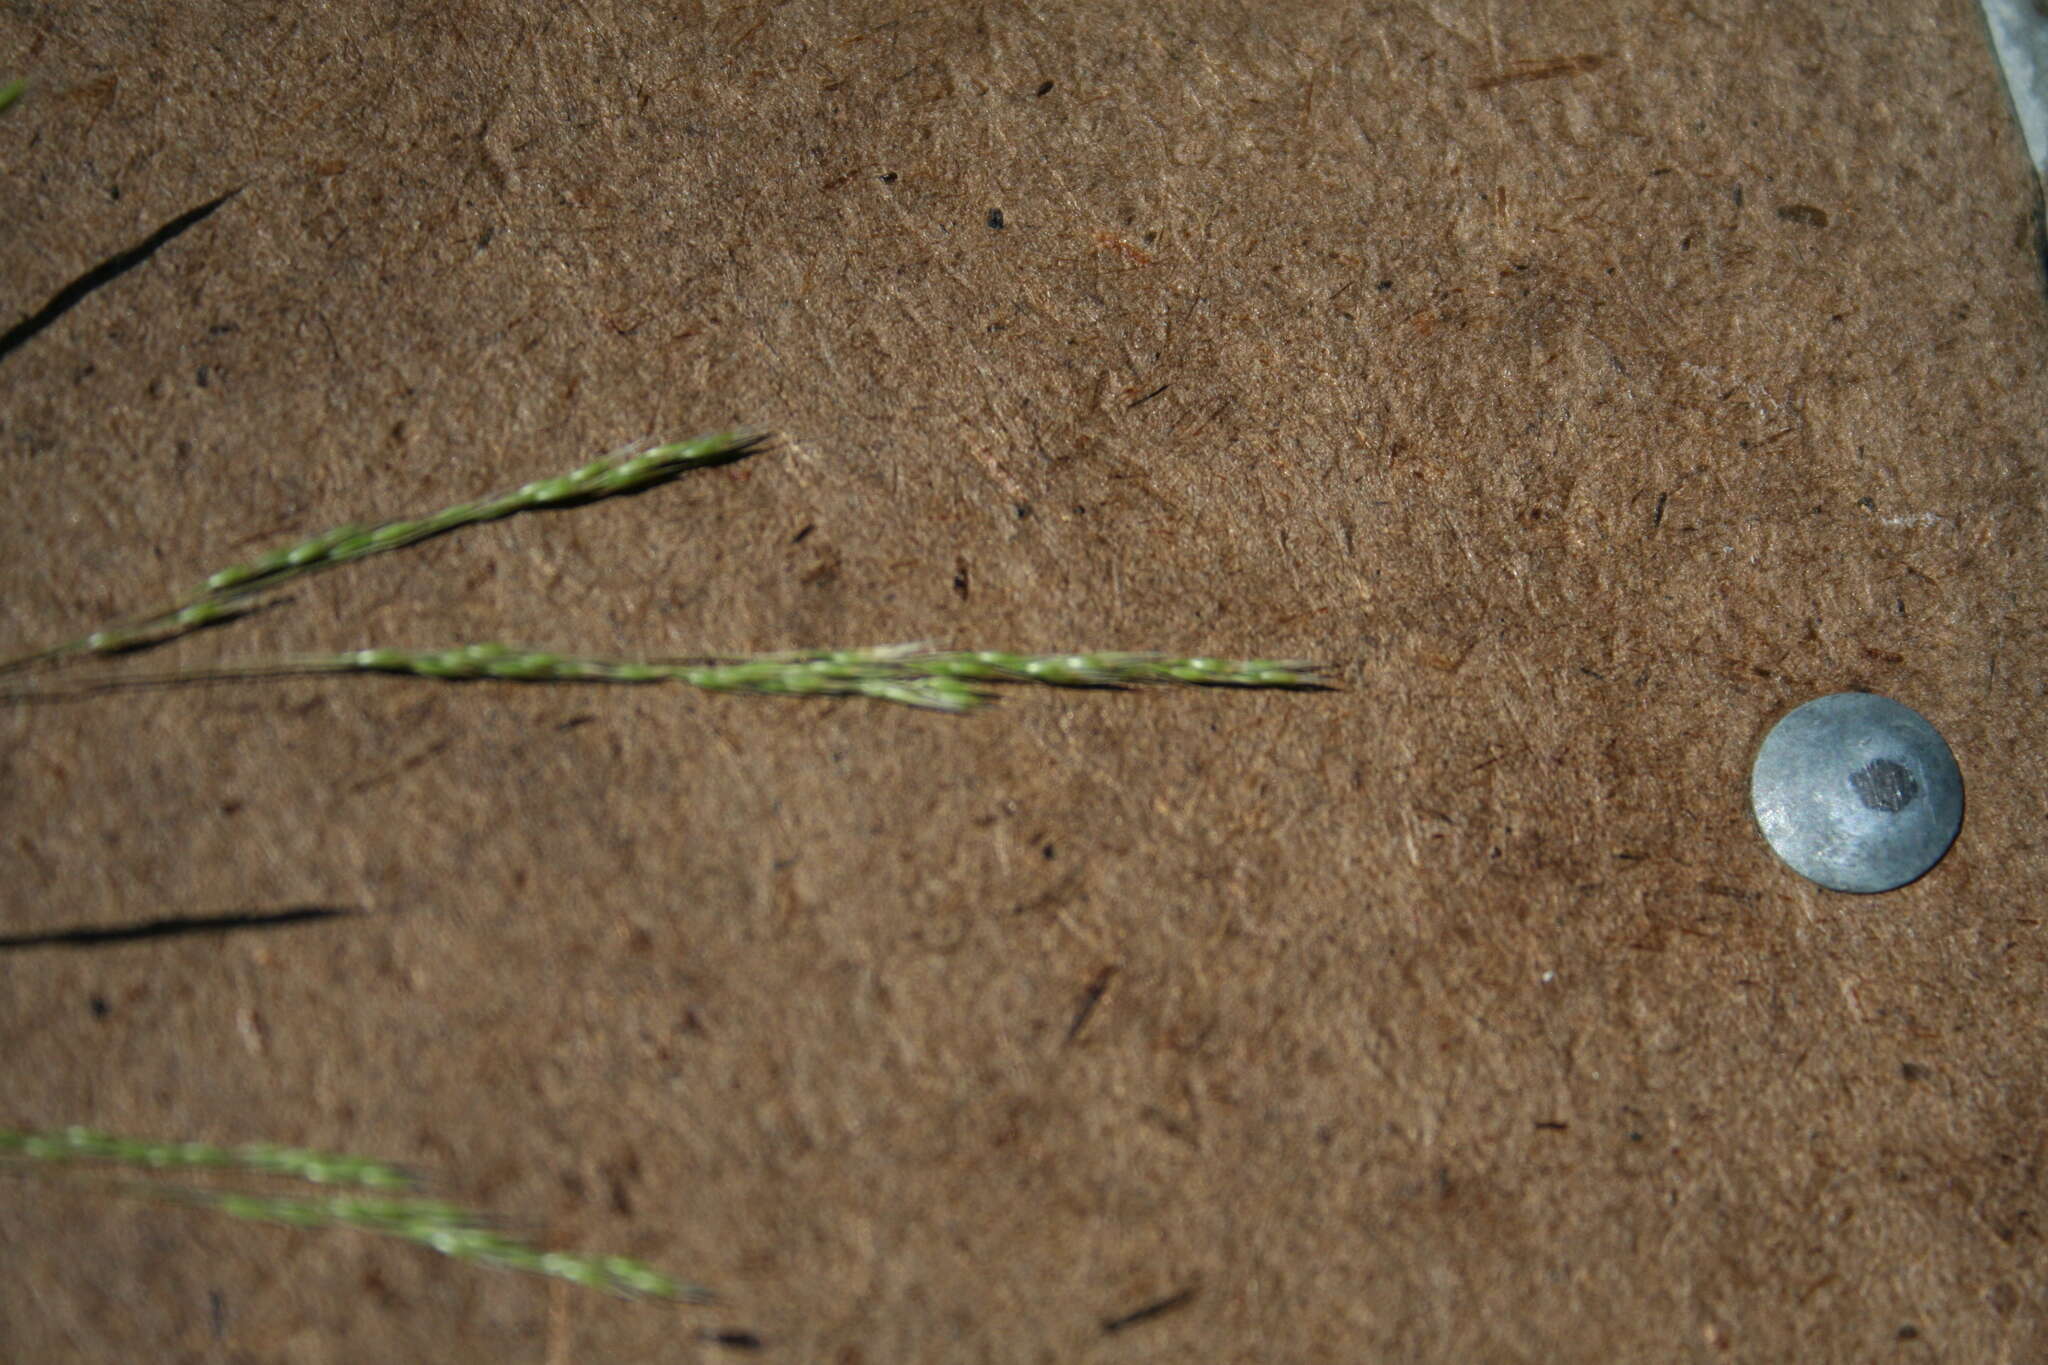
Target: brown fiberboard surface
1587,384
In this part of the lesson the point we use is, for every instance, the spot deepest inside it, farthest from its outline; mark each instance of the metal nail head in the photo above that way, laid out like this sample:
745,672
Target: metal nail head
1857,792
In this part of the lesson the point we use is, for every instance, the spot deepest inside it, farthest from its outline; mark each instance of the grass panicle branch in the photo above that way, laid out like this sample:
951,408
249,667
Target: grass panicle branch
907,675
220,595
384,1210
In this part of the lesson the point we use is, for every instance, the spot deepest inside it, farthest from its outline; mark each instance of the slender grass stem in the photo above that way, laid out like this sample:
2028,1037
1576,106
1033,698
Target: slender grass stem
10,91
219,596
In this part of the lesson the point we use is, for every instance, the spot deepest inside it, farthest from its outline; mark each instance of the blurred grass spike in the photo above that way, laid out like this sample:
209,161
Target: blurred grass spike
626,471
381,1210
453,1232
323,1168
11,91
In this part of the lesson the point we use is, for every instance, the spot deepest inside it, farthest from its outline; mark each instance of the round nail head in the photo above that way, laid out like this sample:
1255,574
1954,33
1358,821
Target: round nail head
1857,792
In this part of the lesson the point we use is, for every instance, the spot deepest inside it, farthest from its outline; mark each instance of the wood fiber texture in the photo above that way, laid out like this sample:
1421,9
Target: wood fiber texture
1586,383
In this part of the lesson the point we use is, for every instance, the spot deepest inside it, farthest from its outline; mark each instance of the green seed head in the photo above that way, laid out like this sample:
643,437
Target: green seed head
622,473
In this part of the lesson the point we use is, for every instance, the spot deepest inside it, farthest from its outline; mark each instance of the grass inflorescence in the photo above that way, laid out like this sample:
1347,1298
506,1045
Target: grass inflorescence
385,1210
1111,669
225,591
937,680
908,675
